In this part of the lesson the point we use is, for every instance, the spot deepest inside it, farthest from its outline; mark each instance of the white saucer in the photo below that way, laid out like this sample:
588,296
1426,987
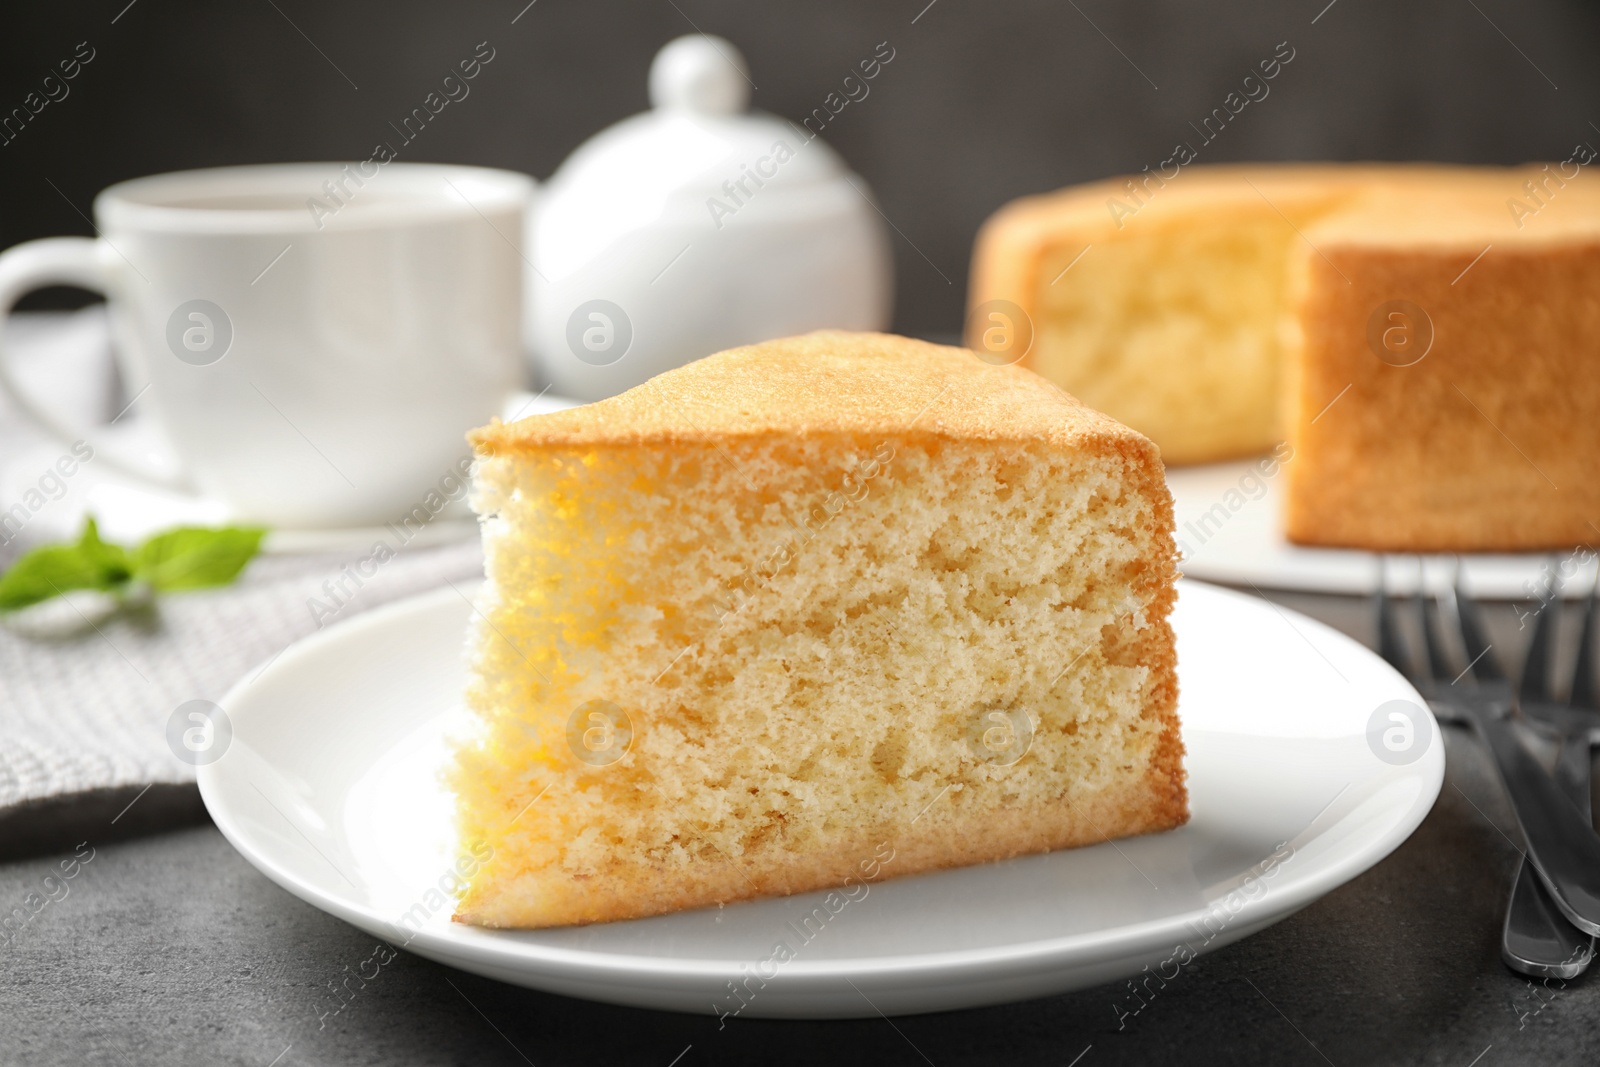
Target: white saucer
1228,531
330,787
129,510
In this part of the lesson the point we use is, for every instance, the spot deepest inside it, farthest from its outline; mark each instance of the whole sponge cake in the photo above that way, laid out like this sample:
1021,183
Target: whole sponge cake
1161,302
834,607
1444,371
1230,308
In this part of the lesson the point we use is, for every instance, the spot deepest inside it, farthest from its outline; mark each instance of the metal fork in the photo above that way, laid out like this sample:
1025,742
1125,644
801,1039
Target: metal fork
1537,940
1563,847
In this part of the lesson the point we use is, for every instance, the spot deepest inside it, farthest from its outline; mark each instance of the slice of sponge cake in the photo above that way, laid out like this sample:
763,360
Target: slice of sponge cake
821,610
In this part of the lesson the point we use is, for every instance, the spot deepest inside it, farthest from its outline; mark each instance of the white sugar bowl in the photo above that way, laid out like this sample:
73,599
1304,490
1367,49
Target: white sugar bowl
695,227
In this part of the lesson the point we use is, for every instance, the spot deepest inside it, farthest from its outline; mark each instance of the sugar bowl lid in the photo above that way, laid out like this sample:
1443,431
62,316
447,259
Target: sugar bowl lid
697,144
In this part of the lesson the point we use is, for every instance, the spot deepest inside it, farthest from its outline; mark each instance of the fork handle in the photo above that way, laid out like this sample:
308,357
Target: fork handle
1562,845
1574,769
1537,940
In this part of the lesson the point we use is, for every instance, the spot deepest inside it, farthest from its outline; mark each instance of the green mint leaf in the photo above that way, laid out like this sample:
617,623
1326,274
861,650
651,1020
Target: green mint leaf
194,557
55,569
111,560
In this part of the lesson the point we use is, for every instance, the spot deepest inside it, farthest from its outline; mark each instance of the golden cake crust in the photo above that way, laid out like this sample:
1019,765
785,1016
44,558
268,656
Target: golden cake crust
1484,443
824,382
1006,254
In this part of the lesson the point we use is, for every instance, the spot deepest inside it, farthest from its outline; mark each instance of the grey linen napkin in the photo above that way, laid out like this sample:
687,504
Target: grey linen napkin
85,698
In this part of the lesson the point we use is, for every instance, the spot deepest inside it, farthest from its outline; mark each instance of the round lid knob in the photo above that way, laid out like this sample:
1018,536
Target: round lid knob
699,73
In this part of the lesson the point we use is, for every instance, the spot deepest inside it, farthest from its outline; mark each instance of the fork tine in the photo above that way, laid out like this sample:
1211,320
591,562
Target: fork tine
1584,683
1538,683
1484,663
1391,645
1432,637
1433,641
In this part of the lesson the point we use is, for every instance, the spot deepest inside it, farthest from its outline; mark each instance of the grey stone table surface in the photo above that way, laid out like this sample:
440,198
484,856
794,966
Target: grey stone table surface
168,948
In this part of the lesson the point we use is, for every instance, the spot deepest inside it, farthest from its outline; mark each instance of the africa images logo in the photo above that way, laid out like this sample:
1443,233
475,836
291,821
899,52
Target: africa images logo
199,332
1399,732
599,332
599,733
199,732
1400,332
1000,736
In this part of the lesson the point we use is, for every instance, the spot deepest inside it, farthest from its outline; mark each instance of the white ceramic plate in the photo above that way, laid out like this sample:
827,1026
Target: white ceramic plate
330,787
1228,530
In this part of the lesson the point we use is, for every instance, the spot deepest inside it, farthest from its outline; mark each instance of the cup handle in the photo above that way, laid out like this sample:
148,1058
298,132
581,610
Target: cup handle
62,261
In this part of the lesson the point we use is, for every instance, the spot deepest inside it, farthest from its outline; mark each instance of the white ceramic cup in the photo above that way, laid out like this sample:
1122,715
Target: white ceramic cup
314,339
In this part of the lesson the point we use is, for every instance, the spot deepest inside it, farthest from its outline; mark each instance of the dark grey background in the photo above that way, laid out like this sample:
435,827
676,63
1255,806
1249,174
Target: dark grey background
983,102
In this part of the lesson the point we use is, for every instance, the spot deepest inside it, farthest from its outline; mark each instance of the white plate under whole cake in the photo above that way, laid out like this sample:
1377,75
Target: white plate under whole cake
1229,531
330,785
